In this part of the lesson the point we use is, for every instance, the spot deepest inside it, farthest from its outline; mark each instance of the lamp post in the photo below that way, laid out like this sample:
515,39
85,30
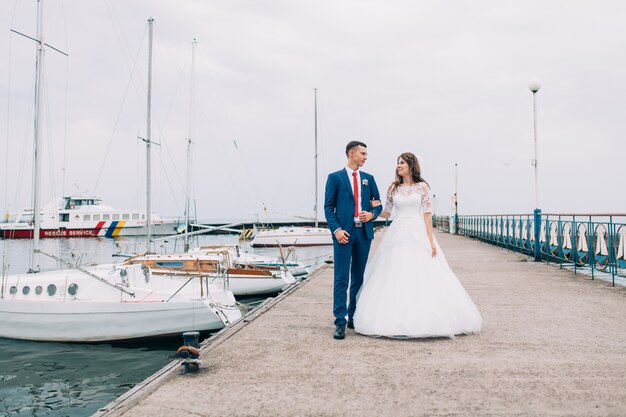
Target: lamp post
534,87
456,198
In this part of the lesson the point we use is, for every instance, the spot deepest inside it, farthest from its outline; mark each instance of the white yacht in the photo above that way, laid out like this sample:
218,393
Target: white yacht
75,216
108,303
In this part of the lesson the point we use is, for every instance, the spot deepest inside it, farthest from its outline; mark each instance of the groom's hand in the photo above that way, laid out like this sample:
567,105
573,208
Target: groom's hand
365,216
342,236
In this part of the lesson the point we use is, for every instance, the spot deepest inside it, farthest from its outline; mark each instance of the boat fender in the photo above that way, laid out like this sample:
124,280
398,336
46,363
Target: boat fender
146,272
190,358
188,352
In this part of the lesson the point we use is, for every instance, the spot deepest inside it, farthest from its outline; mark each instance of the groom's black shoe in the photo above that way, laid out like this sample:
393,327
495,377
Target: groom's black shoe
340,332
350,324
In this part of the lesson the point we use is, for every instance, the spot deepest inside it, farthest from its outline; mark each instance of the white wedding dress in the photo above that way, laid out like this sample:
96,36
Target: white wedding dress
406,292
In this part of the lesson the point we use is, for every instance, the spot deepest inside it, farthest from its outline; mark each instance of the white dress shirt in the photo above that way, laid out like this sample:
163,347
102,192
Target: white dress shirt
349,171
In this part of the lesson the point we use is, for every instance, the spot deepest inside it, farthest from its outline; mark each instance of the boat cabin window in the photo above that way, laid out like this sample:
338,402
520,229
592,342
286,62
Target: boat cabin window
72,289
26,290
125,216
87,217
96,217
135,216
52,289
116,217
28,218
13,290
64,217
38,289
171,264
143,217
106,217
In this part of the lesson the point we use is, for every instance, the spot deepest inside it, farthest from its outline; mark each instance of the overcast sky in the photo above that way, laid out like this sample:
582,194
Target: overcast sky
447,80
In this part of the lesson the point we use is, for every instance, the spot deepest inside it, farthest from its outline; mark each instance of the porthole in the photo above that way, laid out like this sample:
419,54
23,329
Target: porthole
72,289
38,289
13,290
25,290
52,289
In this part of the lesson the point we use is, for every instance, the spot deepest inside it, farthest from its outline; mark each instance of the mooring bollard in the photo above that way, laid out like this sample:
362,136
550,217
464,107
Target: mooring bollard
190,351
191,339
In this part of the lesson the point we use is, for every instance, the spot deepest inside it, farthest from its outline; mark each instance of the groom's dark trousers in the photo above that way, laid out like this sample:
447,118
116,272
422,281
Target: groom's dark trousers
349,258
350,261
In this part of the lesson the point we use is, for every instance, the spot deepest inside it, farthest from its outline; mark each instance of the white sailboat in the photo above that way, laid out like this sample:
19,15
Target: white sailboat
106,302
296,268
218,265
297,235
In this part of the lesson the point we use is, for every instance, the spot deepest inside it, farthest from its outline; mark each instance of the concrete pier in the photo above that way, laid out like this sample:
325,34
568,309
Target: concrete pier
553,343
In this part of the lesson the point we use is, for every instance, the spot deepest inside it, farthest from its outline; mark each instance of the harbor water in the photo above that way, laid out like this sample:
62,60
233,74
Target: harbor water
61,379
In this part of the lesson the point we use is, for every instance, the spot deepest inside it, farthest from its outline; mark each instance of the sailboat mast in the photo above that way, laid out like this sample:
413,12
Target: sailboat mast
189,143
148,144
34,266
315,105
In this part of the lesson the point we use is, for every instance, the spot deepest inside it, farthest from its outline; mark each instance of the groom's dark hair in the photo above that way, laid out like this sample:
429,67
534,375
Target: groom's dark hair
353,144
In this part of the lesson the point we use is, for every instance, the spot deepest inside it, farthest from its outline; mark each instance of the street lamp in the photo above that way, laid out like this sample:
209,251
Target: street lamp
534,87
456,198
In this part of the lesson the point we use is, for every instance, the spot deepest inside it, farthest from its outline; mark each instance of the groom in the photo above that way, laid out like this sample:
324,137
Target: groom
349,214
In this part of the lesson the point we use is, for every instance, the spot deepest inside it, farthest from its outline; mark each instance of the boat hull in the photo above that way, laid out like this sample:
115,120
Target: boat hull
112,229
108,303
217,269
77,321
292,236
241,286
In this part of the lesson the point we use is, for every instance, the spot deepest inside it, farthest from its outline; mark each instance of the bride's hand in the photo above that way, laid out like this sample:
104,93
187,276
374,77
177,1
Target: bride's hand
433,250
376,203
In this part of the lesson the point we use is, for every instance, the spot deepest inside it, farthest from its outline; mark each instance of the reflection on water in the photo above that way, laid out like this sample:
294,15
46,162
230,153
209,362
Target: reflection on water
59,379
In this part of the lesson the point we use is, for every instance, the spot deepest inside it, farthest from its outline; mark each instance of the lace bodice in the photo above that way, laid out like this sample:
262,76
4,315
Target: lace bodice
409,200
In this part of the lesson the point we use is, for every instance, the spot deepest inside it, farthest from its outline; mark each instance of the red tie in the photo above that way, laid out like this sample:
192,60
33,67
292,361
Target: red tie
356,194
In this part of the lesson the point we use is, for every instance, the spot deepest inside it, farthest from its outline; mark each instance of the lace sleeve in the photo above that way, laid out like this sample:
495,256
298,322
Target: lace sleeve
427,206
389,202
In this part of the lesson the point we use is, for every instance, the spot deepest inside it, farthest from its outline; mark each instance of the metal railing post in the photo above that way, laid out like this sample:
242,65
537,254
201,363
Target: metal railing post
537,217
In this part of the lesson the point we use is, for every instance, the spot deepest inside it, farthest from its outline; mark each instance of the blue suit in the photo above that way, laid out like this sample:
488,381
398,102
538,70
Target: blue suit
350,258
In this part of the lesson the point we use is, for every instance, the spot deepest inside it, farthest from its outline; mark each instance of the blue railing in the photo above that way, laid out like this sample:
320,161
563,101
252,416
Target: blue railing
441,223
595,242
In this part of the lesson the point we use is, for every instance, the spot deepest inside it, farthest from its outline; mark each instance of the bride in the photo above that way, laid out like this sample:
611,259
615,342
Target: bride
409,291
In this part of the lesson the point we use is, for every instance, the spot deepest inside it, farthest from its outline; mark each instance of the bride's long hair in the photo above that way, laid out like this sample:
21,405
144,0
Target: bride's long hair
414,167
